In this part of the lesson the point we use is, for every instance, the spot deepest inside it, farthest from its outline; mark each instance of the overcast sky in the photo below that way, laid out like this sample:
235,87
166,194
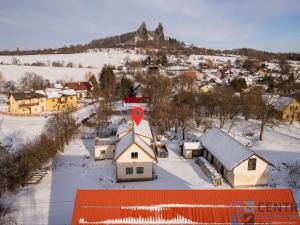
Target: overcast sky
272,25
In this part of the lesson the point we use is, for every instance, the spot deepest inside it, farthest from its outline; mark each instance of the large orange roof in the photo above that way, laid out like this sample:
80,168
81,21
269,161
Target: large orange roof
268,206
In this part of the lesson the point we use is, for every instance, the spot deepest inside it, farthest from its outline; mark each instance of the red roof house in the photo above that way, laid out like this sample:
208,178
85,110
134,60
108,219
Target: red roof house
81,88
134,101
259,206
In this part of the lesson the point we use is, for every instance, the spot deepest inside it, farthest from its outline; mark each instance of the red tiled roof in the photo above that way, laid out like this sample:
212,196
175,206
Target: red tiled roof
189,206
134,99
79,86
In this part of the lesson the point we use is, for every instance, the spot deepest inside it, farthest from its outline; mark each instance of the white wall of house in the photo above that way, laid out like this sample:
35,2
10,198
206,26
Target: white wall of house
104,152
146,175
143,160
257,177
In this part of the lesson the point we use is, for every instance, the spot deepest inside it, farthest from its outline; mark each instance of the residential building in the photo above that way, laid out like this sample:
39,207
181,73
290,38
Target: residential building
82,89
134,159
27,102
59,99
134,155
244,206
238,164
288,108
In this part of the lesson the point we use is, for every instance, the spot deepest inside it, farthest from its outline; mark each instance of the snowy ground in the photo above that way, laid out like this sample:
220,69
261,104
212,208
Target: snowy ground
89,59
51,201
21,129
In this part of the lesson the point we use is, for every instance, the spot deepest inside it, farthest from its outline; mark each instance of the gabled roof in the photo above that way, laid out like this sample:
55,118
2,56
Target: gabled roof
143,129
283,102
163,207
79,86
123,127
57,93
128,140
225,148
26,95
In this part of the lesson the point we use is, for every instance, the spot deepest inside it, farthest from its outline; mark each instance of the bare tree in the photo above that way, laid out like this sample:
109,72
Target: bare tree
61,126
32,81
264,110
103,113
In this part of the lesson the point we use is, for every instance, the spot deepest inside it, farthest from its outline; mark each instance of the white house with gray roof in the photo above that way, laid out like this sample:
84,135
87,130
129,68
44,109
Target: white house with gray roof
134,157
239,165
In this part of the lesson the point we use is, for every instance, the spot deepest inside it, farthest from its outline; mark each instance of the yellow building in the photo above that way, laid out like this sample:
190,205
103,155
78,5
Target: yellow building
27,102
61,99
288,108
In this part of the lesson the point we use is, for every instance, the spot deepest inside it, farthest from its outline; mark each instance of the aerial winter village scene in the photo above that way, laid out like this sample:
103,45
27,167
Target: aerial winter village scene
191,117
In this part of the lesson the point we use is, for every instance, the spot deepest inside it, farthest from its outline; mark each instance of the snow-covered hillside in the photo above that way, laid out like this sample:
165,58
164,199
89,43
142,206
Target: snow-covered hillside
93,60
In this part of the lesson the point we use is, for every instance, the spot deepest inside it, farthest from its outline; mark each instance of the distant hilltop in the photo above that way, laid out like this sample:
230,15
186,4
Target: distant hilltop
142,36
155,39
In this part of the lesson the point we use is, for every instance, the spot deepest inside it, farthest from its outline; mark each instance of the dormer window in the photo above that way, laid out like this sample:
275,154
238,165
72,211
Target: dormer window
134,155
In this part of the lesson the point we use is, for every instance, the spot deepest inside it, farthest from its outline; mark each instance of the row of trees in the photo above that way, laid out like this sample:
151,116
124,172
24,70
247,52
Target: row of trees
174,103
16,167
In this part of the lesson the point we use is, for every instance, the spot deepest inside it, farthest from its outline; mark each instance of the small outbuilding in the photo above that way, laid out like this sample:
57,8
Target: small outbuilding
161,150
105,148
191,149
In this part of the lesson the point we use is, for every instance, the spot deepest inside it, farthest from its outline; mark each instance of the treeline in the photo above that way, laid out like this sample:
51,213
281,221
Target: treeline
175,104
16,167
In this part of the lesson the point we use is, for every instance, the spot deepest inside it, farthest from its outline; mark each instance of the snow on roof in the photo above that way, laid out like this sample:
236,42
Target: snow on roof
53,93
123,128
128,140
123,144
143,129
69,92
59,86
57,93
42,92
143,145
283,102
225,148
192,145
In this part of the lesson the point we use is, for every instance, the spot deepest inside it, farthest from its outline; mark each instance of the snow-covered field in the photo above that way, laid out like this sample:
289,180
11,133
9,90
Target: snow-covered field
51,201
21,129
89,59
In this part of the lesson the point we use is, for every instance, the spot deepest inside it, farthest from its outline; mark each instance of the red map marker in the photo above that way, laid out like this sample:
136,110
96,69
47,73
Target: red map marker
137,114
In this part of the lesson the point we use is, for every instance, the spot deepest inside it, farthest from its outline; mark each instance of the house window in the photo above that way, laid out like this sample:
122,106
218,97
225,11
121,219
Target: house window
287,116
140,170
296,107
71,98
41,100
53,99
129,170
291,108
103,152
252,164
134,155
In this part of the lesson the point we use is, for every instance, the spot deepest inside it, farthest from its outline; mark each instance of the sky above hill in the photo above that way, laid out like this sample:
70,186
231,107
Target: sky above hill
271,25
